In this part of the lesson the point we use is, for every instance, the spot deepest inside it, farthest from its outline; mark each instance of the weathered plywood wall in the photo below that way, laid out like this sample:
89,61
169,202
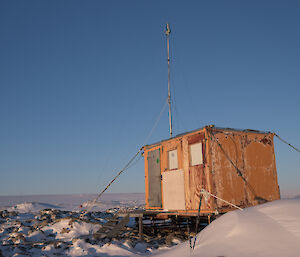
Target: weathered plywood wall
196,178
253,155
224,151
260,167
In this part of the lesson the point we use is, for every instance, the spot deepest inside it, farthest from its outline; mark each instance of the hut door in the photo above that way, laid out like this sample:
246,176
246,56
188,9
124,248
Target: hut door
154,178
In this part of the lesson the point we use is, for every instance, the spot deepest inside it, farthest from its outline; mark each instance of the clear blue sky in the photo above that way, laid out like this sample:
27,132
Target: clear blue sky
82,82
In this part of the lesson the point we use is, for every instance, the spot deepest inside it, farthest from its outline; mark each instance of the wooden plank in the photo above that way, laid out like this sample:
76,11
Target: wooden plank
146,179
185,160
141,228
276,185
116,230
195,185
208,169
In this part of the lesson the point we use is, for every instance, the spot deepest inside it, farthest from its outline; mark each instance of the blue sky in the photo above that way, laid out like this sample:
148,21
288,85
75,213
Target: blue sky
82,82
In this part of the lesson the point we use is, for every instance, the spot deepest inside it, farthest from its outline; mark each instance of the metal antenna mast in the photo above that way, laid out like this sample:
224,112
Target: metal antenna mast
168,32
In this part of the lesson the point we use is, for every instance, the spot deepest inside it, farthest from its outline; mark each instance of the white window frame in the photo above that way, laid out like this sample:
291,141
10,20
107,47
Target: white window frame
173,159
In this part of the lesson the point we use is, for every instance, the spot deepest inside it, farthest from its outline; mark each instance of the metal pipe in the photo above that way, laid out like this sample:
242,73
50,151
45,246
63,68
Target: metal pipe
168,32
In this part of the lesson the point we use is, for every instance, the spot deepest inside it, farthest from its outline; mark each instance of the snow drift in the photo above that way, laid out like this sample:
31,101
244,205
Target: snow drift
271,229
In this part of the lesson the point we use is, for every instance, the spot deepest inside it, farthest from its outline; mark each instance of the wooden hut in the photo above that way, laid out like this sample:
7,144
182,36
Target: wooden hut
237,167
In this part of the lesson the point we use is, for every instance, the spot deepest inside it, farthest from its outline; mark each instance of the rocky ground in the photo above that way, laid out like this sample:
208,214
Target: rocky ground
52,232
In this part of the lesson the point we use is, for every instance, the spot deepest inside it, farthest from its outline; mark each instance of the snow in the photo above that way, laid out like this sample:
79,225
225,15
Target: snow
271,229
268,230
77,229
33,203
32,207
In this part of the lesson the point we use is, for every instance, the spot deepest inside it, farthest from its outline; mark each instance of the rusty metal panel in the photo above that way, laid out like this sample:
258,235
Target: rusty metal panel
243,168
260,168
227,184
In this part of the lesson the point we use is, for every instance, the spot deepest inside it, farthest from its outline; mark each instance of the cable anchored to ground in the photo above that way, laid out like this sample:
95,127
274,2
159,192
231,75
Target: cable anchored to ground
111,182
128,165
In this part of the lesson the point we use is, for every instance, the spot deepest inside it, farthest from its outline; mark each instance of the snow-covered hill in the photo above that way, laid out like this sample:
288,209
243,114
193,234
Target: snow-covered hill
268,230
71,202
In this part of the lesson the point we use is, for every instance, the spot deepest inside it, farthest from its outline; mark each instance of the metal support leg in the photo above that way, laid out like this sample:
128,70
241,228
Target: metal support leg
141,228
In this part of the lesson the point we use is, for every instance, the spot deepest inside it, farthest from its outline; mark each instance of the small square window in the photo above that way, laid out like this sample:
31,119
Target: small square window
196,154
173,160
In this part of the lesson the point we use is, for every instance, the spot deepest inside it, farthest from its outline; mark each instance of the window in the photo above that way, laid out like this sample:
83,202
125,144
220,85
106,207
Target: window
173,161
196,154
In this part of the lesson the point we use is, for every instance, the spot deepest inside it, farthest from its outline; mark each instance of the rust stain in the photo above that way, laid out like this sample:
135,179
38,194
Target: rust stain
266,140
